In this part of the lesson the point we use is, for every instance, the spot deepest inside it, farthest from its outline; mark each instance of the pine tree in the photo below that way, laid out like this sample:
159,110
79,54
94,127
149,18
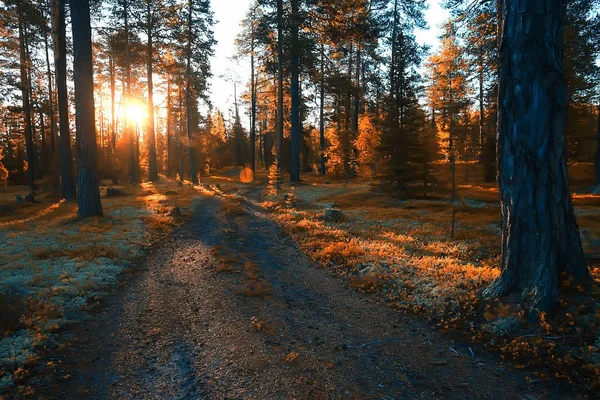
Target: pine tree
540,237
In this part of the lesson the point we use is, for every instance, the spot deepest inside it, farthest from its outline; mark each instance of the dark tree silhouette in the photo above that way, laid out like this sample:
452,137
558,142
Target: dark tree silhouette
89,192
540,237
295,89
279,122
25,93
68,190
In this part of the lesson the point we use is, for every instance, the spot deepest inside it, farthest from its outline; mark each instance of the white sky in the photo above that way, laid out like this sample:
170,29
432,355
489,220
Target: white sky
230,13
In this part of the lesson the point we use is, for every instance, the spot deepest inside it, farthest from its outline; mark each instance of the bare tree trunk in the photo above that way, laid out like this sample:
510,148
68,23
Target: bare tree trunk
598,149
168,170
540,237
295,89
188,98
50,98
89,204
322,110
68,190
133,166
152,162
279,124
113,127
25,89
253,105
357,92
347,112
180,135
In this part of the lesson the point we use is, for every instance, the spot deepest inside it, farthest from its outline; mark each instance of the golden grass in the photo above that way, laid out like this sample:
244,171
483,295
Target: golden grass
88,253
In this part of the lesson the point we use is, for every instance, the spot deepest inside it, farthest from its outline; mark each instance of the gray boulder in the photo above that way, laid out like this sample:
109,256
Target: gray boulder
333,215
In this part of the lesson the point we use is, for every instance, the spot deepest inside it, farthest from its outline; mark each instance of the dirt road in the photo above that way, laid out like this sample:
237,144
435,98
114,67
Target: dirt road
274,327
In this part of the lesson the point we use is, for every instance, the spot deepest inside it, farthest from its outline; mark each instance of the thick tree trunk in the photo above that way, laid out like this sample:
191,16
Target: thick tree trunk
152,163
68,190
540,237
295,89
322,110
25,84
279,123
89,203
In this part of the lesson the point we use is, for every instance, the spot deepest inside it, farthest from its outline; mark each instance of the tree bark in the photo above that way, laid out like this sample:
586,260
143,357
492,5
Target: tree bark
540,237
188,98
113,127
279,122
253,106
168,171
598,150
152,162
89,203
295,89
180,135
50,97
322,110
133,166
68,190
25,85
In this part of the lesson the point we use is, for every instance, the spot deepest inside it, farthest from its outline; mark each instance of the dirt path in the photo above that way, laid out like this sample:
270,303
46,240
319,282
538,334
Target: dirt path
181,329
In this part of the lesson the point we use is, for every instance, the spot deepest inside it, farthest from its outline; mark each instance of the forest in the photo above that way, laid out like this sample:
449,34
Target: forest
370,215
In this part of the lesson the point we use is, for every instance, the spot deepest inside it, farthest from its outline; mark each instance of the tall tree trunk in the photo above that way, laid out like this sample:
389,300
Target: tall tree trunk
89,203
598,150
152,163
452,166
50,97
357,92
113,127
322,110
295,89
540,237
253,106
279,123
482,157
188,97
25,90
347,114
180,135
168,170
68,190
43,144
133,166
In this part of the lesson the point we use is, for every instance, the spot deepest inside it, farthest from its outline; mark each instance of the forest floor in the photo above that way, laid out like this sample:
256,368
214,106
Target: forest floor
255,296
229,307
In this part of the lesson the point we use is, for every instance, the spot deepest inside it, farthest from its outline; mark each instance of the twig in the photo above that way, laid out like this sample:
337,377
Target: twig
548,337
373,343
472,354
454,351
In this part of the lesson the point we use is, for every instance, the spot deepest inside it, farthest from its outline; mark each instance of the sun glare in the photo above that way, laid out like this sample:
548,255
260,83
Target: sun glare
136,113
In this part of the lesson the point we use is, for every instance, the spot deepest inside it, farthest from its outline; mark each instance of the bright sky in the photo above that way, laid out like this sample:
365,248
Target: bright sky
229,15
